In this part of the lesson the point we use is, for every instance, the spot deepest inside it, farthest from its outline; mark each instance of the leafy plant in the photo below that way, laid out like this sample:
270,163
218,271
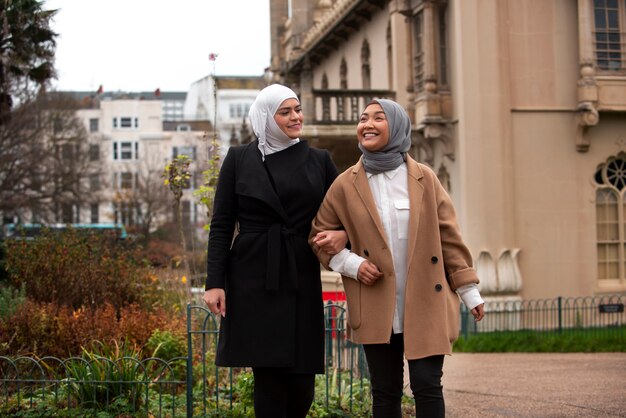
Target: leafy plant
346,395
206,191
177,176
166,345
97,379
11,299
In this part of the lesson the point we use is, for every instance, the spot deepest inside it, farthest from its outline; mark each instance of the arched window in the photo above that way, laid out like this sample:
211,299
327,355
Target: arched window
343,74
610,180
325,100
365,65
389,57
342,102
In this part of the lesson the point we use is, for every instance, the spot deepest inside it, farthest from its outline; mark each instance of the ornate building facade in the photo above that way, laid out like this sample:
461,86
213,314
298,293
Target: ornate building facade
518,105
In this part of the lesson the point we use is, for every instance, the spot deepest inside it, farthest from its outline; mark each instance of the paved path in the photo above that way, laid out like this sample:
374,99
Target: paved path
535,385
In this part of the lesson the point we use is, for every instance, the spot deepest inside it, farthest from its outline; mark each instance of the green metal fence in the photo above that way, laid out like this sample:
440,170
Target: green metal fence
345,365
84,385
193,386
182,387
598,314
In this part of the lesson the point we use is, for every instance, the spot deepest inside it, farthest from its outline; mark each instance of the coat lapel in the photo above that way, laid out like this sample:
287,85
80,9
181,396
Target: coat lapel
416,193
365,193
253,180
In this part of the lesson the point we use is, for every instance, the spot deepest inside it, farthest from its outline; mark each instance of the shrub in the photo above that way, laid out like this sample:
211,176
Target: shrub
77,270
166,345
47,329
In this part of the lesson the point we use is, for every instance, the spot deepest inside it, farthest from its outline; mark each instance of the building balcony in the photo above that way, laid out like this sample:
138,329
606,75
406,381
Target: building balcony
332,125
344,107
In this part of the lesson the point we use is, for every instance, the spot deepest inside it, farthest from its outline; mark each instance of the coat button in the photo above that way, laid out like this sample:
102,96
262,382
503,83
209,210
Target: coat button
434,259
367,253
438,287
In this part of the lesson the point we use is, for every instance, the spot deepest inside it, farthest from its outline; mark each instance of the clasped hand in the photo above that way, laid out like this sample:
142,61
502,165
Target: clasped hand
331,242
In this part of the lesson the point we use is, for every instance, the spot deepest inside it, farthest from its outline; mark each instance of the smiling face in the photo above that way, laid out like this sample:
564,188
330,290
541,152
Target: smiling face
289,118
373,130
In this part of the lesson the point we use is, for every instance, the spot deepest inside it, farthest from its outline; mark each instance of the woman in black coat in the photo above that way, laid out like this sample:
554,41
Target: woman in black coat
266,285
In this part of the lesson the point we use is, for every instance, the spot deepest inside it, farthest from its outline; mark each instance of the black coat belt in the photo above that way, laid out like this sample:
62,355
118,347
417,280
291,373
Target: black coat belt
277,234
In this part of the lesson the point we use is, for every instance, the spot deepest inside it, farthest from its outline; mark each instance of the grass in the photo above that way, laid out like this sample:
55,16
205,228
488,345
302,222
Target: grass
566,341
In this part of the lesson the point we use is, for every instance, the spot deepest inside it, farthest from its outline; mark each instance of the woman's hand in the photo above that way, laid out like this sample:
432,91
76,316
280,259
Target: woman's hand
215,299
331,242
368,273
479,312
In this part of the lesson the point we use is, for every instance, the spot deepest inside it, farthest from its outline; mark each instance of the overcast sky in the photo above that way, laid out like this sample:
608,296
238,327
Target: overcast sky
135,45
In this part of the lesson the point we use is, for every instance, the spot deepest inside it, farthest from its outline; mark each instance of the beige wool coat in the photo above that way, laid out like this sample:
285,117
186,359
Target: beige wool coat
438,261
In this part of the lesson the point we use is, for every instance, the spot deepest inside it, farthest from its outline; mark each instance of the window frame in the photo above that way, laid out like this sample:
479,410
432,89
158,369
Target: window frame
125,150
620,42
94,125
425,50
610,221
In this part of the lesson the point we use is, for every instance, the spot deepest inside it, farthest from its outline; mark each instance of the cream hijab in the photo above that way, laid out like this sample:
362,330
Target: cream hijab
271,138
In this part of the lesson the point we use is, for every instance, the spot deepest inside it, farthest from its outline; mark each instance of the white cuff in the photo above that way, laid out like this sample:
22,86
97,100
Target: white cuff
346,263
470,295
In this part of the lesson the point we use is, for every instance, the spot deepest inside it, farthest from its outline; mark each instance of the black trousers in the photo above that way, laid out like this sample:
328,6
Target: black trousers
282,395
386,367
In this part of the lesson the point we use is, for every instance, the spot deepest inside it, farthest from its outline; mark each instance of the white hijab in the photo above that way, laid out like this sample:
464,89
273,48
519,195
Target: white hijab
271,138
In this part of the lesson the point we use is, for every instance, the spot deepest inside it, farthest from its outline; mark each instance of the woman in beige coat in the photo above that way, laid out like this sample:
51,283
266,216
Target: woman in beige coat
406,262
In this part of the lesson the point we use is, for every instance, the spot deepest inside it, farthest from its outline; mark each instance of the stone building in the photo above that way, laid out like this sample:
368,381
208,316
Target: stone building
519,106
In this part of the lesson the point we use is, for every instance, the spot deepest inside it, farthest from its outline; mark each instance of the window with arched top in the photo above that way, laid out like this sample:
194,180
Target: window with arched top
389,56
610,181
325,99
343,74
365,65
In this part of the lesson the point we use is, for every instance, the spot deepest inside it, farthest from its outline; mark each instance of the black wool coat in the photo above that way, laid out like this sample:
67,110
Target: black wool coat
274,308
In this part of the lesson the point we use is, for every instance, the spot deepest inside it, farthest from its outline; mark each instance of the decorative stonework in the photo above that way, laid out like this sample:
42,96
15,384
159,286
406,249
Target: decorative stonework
426,133
499,278
326,21
433,126
587,104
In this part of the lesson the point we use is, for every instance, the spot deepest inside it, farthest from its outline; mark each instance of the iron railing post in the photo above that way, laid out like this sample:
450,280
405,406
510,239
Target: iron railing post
189,365
560,304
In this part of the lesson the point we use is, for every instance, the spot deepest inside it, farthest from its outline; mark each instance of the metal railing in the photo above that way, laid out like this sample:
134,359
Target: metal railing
344,362
599,314
344,106
148,386
193,386
182,387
